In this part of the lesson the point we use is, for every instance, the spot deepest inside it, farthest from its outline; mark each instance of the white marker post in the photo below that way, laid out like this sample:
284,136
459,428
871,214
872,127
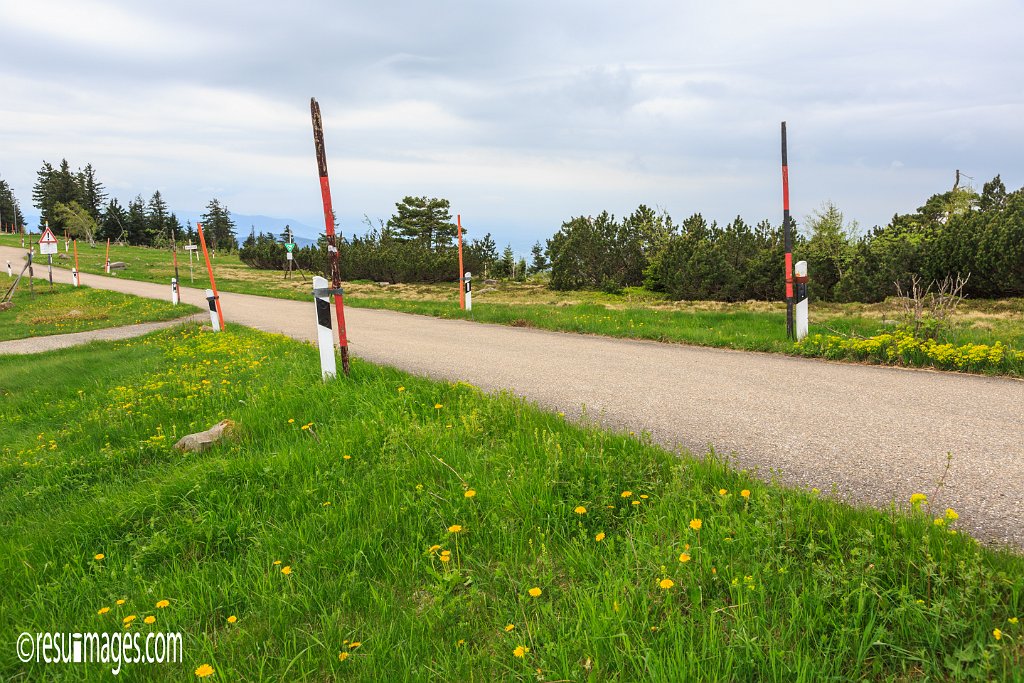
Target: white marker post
214,319
469,291
10,273
174,291
801,300
324,335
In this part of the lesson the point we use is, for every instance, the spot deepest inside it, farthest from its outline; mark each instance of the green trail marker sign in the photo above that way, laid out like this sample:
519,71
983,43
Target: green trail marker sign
289,246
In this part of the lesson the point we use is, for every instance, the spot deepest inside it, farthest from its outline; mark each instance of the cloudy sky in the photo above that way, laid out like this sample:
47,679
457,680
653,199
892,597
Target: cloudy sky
521,113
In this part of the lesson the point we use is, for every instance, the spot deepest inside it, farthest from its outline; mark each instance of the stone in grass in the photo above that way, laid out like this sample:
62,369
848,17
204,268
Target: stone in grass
118,265
200,441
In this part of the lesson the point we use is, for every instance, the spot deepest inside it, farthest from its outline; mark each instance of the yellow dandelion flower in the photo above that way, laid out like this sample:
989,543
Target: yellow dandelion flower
204,670
580,510
535,592
326,503
696,524
600,536
509,627
520,651
684,558
121,601
342,656
460,642
129,619
627,494
232,619
401,389
286,570
637,502
433,548
722,492
103,610
438,406
346,457
163,603
745,493
455,528
666,583
354,644
446,558
997,634
291,420
150,619
99,556
470,493
644,496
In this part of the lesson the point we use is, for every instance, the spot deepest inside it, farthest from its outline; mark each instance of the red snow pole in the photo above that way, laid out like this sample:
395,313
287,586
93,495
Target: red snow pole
209,269
787,231
462,272
106,265
77,272
332,246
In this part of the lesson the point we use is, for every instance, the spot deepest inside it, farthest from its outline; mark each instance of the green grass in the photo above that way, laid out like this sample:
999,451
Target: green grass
782,586
636,313
68,309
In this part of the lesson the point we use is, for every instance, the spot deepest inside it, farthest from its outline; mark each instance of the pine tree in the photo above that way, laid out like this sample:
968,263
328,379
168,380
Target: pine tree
540,262
53,186
10,210
425,220
137,223
218,226
90,191
157,220
113,222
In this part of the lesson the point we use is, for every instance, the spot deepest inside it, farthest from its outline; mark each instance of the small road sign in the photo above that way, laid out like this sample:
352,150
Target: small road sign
289,246
47,243
191,247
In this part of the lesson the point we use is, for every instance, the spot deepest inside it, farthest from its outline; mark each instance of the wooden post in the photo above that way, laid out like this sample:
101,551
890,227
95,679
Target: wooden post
787,236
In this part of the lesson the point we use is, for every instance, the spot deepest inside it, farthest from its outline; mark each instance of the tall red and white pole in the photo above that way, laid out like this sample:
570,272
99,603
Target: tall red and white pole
74,271
106,264
332,246
462,272
787,232
216,314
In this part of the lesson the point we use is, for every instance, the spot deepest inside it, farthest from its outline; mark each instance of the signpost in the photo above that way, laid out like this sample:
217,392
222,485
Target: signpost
469,291
801,300
190,248
48,246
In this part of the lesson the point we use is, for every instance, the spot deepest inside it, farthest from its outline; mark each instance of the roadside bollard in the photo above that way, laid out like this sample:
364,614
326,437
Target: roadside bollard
174,291
324,335
469,291
214,318
10,273
801,300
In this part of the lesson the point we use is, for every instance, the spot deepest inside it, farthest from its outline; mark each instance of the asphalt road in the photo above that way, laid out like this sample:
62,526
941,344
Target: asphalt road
877,434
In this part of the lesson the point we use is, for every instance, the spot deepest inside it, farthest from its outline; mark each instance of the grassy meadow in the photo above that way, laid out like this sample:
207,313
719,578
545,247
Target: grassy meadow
68,309
388,527
635,313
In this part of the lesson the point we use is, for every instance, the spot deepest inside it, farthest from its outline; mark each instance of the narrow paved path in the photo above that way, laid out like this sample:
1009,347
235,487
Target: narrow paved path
878,434
62,341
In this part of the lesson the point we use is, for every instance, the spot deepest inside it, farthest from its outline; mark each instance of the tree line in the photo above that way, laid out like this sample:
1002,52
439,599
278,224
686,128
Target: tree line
959,232
76,202
417,244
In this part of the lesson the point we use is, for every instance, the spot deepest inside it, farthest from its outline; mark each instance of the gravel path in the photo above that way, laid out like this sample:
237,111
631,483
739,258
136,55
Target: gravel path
876,434
62,341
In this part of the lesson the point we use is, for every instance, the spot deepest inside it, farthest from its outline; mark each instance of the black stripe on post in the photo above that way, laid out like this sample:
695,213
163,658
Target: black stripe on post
323,313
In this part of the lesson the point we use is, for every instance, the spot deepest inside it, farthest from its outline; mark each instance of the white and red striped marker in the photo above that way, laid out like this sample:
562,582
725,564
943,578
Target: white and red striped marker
469,290
324,334
174,291
74,270
214,318
801,300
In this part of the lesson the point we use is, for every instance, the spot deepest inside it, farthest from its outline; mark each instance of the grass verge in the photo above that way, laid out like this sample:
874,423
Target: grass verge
431,532
68,309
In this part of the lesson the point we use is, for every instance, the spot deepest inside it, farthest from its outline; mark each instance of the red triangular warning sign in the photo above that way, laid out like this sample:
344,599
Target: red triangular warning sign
47,237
